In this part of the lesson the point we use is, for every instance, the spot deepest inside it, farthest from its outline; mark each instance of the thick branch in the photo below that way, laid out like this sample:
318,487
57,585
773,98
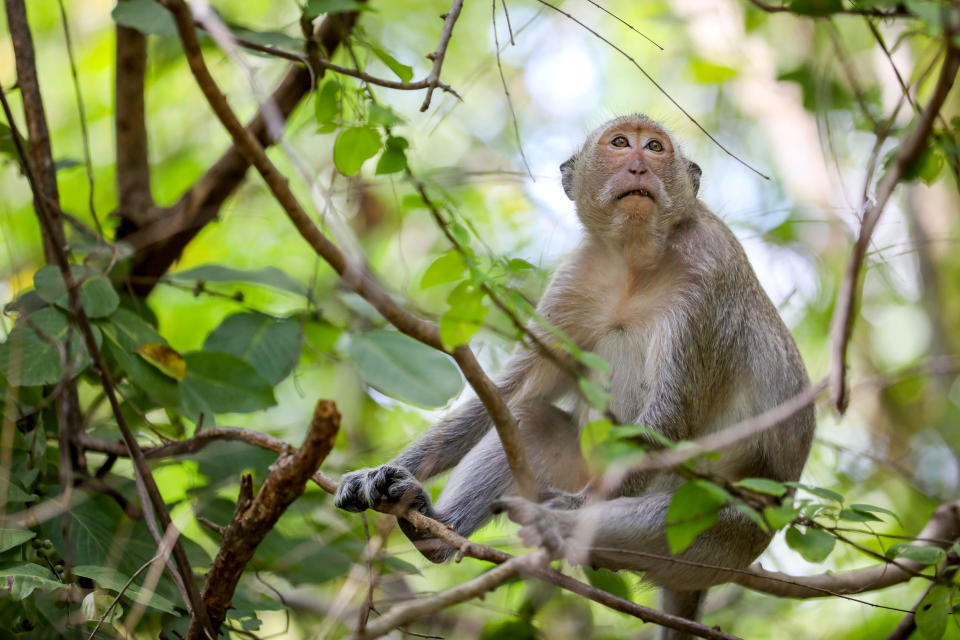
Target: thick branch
944,525
161,241
843,317
133,168
256,516
353,276
40,154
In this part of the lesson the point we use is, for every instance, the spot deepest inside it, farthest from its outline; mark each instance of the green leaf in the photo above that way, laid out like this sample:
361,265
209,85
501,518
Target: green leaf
270,345
820,492
403,368
383,116
224,383
447,268
267,276
869,508
146,16
923,555
926,166
693,509
781,515
465,316
25,577
852,515
113,580
814,545
763,485
315,8
276,39
705,72
327,105
597,396
128,330
933,612
394,157
516,629
96,293
29,359
404,72
353,147
592,360
609,581
816,7
10,538
753,514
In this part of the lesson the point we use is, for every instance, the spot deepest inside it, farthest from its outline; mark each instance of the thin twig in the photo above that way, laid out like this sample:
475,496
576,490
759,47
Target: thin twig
506,89
910,149
449,19
897,12
658,87
123,589
624,23
81,110
506,14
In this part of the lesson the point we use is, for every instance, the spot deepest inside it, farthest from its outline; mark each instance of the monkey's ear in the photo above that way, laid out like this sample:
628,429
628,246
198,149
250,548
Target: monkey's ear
567,171
695,173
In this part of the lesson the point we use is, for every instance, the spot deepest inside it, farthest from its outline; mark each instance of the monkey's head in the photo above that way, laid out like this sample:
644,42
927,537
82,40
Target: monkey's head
629,180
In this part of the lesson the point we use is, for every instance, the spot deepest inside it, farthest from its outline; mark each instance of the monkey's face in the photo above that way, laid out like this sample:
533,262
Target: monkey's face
629,181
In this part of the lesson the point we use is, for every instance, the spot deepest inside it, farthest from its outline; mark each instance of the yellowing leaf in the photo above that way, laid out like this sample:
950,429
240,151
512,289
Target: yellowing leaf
167,360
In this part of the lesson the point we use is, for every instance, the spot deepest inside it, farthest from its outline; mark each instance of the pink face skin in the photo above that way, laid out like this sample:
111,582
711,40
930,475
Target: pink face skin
636,156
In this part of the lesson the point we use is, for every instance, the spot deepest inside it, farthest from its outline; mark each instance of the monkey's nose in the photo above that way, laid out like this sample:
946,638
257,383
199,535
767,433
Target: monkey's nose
637,167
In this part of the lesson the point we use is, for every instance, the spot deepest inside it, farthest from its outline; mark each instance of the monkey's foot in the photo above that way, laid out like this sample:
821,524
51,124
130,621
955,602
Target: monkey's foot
379,488
562,500
540,526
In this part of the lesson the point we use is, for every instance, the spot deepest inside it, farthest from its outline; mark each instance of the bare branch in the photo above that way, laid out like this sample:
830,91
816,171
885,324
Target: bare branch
658,87
361,282
40,154
506,89
133,168
449,19
896,12
624,23
256,516
161,239
910,149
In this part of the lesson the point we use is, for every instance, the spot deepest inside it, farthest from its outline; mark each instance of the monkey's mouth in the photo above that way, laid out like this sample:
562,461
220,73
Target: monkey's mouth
643,193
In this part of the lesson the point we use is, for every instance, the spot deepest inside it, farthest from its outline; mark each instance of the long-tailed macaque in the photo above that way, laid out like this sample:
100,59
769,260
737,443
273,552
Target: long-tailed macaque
662,290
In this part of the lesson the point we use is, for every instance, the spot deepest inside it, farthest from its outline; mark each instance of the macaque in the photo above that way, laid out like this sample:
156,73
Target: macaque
660,288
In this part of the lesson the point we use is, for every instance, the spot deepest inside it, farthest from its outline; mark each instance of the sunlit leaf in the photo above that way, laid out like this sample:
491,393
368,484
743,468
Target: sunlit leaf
326,106
869,508
706,72
763,485
781,515
820,492
693,509
465,316
447,268
382,116
394,156
353,147
403,368
403,71
926,555
164,358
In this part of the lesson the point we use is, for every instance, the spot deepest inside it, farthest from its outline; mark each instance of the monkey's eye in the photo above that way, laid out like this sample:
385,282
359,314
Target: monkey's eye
620,141
655,145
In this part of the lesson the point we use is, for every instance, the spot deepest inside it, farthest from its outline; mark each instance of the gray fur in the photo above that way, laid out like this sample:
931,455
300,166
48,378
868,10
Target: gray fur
665,293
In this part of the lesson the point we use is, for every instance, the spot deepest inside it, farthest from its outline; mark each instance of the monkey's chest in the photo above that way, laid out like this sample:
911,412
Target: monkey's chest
627,347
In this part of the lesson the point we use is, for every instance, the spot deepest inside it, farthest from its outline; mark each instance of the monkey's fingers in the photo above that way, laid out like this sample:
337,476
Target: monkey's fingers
520,510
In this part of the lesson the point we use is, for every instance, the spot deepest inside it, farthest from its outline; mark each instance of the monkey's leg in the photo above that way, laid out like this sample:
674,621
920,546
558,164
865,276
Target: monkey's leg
552,443
685,604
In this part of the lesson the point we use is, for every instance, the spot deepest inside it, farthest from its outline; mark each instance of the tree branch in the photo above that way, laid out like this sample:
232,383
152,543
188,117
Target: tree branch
910,149
255,516
433,80
133,168
355,277
944,525
40,154
162,238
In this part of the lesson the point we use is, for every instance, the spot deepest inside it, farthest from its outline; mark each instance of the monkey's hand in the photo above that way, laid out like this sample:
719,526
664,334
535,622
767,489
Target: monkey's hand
380,488
562,500
541,526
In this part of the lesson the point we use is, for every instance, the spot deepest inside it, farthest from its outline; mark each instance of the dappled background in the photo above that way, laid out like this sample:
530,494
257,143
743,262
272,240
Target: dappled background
793,100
